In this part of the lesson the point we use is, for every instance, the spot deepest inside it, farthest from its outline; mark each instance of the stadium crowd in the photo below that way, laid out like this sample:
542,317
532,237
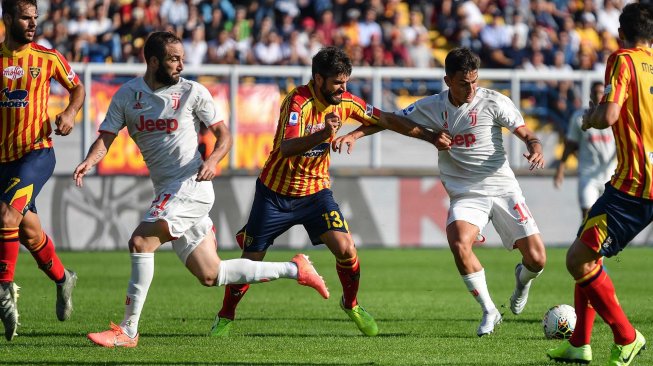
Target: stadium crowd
516,34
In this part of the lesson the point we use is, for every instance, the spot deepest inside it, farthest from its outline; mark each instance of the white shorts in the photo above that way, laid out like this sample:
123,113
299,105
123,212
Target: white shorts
589,190
509,214
185,206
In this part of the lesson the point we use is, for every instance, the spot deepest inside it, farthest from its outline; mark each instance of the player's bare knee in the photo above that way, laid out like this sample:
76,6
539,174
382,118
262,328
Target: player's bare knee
348,252
460,248
137,244
576,267
345,249
207,280
535,260
9,217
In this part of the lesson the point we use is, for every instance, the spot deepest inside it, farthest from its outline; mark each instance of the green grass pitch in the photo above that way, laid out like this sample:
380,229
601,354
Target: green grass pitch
424,312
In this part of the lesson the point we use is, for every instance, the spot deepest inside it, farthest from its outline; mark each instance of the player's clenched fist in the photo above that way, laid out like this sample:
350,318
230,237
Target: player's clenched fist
332,123
443,141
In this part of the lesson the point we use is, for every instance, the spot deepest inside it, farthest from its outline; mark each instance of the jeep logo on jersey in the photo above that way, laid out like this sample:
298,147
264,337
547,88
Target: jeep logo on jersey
150,125
15,98
467,140
13,72
175,100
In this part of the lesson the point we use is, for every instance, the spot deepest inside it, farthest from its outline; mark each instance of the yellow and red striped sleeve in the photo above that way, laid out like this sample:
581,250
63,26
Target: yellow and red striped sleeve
358,109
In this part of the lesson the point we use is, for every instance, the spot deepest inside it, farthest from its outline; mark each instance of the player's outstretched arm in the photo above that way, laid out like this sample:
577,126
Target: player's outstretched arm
406,127
223,143
97,151
570,149
65,121
534,146
350,139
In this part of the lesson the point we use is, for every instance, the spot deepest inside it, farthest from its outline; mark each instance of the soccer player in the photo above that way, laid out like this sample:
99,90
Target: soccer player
162,112
27,155
626,206
596,154
475,172
293,186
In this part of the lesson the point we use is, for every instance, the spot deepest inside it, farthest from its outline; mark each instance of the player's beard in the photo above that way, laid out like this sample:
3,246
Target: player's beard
162,77
330,96
19,34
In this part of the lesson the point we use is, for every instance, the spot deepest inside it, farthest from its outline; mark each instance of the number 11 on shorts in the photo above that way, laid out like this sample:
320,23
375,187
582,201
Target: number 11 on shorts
523,211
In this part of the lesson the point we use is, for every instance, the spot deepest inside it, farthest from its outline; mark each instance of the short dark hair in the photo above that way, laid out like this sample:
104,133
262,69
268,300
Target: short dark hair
636,22
461,59
10,7
331,61
596,84
155,45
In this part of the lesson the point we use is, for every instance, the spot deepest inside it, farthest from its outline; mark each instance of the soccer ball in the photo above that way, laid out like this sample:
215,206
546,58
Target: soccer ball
559,322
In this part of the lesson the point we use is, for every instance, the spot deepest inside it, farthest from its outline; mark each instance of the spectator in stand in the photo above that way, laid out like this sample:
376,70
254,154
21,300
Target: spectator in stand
415,27
586,59
496,34
327,27
399,51
196,48
305,31
375,53
241,31
420,53
267,51
518,28
215,26
587,31
315,43
175,13
223,49
510,57
194,21
287,26
351,28
608,17
295,52
564,46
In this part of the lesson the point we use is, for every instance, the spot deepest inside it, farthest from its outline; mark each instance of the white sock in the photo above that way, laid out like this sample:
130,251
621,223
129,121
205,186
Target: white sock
525,275
139,284
477,286
239,271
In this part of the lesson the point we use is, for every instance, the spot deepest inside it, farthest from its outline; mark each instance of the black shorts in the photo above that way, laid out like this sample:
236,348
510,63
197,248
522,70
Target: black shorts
22,180
272,214
614,220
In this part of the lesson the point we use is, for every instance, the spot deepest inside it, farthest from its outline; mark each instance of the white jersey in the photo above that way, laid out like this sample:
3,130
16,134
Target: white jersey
596,149
164,124
476,162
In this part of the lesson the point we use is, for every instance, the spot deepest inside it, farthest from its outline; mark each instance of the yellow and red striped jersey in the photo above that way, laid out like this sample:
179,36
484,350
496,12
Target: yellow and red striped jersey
26,76
303,114
629,83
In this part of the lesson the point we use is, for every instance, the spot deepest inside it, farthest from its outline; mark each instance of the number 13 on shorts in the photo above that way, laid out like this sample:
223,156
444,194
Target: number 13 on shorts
334,220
